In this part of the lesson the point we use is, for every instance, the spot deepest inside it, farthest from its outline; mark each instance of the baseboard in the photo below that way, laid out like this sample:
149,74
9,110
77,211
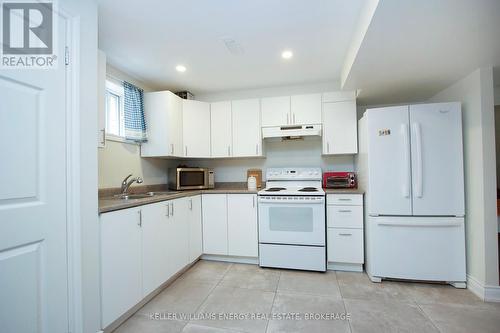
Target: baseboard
235,259
486,293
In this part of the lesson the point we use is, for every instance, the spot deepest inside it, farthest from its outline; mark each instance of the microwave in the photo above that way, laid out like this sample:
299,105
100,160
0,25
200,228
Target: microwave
190,178
333,179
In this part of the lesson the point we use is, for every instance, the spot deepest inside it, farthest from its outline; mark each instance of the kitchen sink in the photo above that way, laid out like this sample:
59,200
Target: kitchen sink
129,196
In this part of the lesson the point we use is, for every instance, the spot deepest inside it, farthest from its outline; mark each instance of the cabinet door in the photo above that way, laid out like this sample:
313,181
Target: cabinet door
242,225
155,231
275,111
196,128
178,238
195,228
101,99
220,129
247,139
121,263
340,128
214,208
306,109
163,113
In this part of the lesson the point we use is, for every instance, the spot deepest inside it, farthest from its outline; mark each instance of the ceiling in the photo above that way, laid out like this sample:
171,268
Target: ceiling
414,49
148,40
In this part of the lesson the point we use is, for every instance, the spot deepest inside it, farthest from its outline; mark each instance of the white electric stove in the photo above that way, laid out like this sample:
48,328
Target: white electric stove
292,226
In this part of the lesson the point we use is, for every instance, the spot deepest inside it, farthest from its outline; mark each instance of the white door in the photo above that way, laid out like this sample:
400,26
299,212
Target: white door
178,239
121,263
220,129
275,111
306,109
196,128
247,139
389,161
33,255
340,129
155,231
195,228
214,208
437,159
242,225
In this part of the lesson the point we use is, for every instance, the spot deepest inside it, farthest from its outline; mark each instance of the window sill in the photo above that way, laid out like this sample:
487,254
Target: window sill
116,138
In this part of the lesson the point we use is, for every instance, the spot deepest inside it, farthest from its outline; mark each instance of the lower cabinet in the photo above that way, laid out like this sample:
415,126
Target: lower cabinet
345,231
142,247
230,224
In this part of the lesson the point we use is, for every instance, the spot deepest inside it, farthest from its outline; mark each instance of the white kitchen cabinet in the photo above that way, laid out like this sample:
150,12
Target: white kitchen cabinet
305,109
178,238
246,129
220,129
242,225
340,128
196,128
214,209
275,111
101,99
345,243
163,115
155,233
195,228
121,262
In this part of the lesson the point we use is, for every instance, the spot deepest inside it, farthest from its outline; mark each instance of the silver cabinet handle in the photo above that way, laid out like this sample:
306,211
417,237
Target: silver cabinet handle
344,199
253,201
228,150
328,147
257,149
171,149
345,211
172,209
168,210
294,117
344,234
287,119
186,148
103,141
140,218
191,204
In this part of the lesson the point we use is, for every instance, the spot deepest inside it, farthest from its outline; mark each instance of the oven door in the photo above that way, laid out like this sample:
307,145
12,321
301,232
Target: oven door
292,220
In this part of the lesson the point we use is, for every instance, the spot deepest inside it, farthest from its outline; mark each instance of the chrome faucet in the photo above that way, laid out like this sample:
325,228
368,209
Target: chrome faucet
126,183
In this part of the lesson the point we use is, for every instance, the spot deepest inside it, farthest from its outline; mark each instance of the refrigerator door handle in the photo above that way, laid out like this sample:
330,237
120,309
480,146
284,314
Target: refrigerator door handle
421,224
419,165
406,174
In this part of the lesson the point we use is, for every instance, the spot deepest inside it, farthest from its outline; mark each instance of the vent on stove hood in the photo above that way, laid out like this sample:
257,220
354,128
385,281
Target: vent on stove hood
291,132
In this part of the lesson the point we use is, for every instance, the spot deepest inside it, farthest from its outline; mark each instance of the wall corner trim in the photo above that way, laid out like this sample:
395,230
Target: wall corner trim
485,293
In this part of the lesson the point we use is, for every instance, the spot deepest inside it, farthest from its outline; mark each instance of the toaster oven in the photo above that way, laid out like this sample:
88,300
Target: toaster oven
333,179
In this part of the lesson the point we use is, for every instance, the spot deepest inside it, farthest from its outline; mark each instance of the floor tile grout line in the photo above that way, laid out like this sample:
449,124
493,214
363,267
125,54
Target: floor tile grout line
274,298
428,317
343,300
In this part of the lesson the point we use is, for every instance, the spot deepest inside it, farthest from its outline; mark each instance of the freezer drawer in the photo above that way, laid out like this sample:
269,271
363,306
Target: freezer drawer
311,258
345,245
345,216
419,248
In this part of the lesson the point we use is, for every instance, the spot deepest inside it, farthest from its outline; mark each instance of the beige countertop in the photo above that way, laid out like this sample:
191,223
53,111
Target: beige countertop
107,203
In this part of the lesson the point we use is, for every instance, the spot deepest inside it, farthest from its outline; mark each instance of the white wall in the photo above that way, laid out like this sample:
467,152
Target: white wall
476,94
305,153
118,159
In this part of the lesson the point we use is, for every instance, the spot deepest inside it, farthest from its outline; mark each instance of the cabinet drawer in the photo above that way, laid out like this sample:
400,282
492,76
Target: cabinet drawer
345,199
345,245
345,216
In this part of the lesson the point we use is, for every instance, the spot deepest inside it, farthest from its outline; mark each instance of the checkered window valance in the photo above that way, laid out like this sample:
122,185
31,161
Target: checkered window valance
135,124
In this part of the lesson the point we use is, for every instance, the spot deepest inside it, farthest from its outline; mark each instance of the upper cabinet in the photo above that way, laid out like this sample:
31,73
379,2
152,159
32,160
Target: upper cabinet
305,109
196,128
291,110
163,112
220,128
247,138
275,111
340,130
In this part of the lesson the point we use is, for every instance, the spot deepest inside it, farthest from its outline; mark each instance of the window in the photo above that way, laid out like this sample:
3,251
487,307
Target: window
115,124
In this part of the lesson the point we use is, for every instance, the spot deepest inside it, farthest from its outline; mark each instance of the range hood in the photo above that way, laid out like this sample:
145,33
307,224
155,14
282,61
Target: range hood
291,132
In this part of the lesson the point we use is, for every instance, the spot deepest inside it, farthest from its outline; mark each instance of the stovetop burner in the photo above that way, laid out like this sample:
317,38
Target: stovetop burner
308,189
275,189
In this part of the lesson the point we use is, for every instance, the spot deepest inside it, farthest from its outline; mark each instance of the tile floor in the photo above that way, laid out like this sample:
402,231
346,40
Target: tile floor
216,287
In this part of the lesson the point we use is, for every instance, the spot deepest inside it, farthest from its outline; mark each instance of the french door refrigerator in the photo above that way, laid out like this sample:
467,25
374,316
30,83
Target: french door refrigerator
410,164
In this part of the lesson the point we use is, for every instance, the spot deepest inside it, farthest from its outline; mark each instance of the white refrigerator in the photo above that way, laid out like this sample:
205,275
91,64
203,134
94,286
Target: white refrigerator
410,164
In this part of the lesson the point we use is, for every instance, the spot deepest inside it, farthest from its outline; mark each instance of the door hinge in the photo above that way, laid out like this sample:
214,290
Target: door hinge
66,56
